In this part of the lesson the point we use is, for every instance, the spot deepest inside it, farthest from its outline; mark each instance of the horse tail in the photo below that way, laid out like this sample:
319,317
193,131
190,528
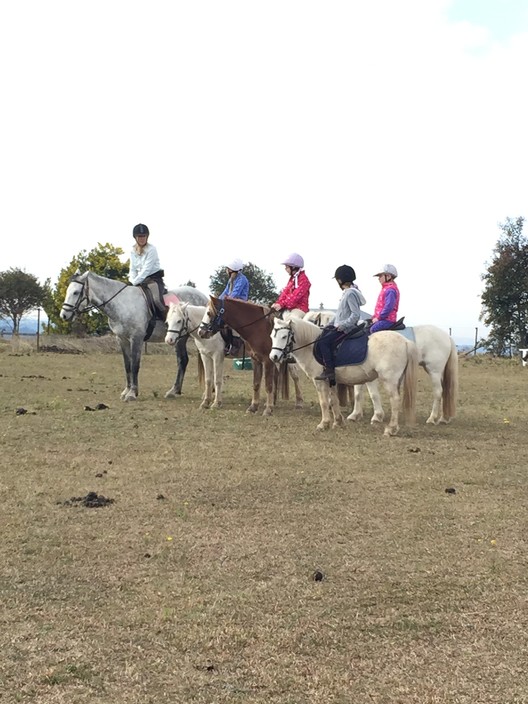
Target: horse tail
283,381
201,371
450,384
410,383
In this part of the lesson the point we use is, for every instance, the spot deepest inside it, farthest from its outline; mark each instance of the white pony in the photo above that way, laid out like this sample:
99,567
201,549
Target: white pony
184,319
437,354
390,356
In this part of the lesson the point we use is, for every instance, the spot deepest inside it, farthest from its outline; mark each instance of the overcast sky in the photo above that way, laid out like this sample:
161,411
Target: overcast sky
351,132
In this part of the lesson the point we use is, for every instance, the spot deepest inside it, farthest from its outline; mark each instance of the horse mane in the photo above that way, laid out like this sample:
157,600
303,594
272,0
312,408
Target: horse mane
238,301
305,331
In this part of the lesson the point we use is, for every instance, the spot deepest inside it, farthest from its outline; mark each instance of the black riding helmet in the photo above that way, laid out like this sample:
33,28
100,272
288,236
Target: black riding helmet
140,230
345,274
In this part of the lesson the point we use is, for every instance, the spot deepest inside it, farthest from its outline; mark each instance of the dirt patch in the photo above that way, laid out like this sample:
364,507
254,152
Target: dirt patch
91,500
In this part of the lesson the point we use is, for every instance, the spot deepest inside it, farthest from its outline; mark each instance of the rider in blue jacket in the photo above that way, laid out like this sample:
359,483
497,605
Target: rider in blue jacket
237,284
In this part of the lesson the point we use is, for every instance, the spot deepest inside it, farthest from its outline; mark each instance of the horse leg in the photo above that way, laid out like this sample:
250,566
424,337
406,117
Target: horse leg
394,396
330,406
374,393
133,372
182,359
257,380
269,376
436,414
357,413
294,373
125,349
218,370
208,389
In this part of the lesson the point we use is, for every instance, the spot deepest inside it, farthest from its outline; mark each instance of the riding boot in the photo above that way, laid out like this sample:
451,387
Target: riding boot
328,374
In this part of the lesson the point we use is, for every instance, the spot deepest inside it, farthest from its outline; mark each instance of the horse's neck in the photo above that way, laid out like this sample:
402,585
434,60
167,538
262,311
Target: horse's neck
250,326
100,288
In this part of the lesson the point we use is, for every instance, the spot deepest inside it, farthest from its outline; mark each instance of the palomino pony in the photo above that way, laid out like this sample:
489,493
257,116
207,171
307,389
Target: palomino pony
437,354
390,356
128,317
183,319
253,322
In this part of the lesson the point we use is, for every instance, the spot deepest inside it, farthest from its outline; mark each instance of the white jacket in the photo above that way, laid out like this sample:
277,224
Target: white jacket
143,265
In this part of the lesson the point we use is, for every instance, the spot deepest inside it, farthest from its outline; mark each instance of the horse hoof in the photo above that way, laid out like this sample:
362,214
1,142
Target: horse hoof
267,412
390,432
376,419
354,417
252,409
323,426
131,398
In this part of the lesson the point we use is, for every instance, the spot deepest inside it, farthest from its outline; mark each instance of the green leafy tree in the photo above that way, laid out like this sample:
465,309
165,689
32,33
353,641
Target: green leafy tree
20,293
505,296
262,288
103,260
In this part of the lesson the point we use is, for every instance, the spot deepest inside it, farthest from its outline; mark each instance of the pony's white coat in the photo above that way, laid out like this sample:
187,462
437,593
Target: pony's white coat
438,355
390,357
184,319
128,318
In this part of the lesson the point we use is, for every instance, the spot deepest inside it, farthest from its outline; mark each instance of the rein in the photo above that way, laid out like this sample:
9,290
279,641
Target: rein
85,295
288,347
218,321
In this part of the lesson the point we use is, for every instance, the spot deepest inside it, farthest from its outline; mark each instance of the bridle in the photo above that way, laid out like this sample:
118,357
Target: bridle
217,323
184,330
290,341
85,296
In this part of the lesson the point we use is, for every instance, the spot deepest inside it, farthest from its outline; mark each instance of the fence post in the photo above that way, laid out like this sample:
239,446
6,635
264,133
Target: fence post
38,329
476,341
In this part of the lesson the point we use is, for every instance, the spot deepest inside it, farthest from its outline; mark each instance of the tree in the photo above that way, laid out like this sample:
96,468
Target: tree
505,297
261,285
20,293
103,260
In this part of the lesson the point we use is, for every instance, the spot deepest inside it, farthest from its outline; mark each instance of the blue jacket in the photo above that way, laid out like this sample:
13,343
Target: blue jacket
237,288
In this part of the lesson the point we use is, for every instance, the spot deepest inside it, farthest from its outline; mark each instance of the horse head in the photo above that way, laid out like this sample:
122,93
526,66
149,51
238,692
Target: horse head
76,300
282,339
212,320
177,322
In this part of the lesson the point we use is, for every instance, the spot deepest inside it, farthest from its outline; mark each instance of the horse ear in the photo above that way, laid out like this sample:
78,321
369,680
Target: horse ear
184,305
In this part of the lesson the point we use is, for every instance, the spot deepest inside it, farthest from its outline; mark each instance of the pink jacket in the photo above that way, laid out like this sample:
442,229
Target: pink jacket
388,302
296,292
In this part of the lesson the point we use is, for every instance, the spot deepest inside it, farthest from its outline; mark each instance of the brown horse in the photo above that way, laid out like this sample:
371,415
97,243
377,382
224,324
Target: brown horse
253,322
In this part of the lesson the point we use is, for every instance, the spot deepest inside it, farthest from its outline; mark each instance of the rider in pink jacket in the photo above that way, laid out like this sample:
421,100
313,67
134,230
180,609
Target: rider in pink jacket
293,299
386,310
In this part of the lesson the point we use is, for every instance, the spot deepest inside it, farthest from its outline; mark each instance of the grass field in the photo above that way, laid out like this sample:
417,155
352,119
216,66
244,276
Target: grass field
250,559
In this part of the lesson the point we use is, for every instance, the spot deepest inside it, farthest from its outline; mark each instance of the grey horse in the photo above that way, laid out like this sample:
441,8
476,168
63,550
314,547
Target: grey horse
128,316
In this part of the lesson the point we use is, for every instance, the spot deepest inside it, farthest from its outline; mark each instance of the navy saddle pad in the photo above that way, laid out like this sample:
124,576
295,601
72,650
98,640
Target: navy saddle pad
352,350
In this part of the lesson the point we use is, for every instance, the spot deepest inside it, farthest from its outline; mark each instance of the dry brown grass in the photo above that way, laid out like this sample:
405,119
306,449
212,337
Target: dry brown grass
207,594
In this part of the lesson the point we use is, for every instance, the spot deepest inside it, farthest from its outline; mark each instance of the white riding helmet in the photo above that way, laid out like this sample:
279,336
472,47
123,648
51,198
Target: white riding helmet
294,260
235,265
389,269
